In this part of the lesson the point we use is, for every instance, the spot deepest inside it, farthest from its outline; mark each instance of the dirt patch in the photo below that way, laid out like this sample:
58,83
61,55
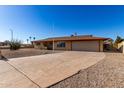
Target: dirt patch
24,52
107,73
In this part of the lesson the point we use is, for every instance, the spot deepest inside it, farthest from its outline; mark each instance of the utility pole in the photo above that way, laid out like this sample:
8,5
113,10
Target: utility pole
11,34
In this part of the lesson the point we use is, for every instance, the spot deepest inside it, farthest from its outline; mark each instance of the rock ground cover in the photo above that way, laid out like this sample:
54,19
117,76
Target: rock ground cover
108,73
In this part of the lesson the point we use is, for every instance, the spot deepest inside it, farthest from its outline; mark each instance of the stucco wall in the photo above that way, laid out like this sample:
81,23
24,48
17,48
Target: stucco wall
35,45
67,46
101,46
41,46
121,47
98,45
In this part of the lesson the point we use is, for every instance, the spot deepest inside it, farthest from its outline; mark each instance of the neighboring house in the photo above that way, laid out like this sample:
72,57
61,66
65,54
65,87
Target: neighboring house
121,47
108,45
74,43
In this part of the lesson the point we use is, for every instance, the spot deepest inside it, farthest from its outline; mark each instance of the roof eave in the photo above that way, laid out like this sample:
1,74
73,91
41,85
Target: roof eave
72,40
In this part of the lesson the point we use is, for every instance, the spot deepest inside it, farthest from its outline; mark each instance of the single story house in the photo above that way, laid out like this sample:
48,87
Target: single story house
74,43
121,47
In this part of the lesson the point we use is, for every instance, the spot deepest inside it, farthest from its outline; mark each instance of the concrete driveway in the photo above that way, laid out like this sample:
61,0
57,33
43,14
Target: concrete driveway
45,70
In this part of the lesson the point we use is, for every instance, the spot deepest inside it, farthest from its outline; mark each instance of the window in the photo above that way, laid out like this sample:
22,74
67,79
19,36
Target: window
60,44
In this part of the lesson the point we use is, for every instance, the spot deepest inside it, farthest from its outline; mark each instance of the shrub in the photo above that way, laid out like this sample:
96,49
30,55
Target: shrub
15,44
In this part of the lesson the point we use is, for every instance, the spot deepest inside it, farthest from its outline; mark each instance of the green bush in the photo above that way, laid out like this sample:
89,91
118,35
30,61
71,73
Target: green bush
15,44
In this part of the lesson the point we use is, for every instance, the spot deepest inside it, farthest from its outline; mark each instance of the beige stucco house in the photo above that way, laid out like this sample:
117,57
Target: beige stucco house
121,47
74,43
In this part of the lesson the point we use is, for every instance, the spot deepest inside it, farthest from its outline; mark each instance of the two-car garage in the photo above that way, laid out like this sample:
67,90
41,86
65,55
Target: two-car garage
85,46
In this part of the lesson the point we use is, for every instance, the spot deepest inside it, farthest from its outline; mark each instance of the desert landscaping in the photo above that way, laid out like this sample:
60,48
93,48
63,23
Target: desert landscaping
107,73
92,72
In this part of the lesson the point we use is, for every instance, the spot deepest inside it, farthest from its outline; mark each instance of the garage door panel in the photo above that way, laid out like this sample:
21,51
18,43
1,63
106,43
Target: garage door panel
85,45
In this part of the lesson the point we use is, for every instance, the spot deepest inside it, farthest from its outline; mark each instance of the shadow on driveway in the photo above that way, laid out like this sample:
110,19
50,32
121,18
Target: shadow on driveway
3,58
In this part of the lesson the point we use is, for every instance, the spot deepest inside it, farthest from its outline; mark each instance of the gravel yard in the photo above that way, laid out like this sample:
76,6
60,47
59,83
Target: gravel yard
24,52
107,73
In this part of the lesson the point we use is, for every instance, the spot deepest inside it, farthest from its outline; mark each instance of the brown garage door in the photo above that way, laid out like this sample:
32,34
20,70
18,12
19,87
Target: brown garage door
85,45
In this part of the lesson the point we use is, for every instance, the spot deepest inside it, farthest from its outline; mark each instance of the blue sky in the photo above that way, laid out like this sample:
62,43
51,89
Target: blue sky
36,21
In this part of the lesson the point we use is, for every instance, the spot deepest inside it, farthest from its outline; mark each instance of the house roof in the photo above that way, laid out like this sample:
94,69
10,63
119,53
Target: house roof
72,38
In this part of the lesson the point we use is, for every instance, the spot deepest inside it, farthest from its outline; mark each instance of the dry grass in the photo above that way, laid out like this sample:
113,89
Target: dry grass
23,52
107,73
